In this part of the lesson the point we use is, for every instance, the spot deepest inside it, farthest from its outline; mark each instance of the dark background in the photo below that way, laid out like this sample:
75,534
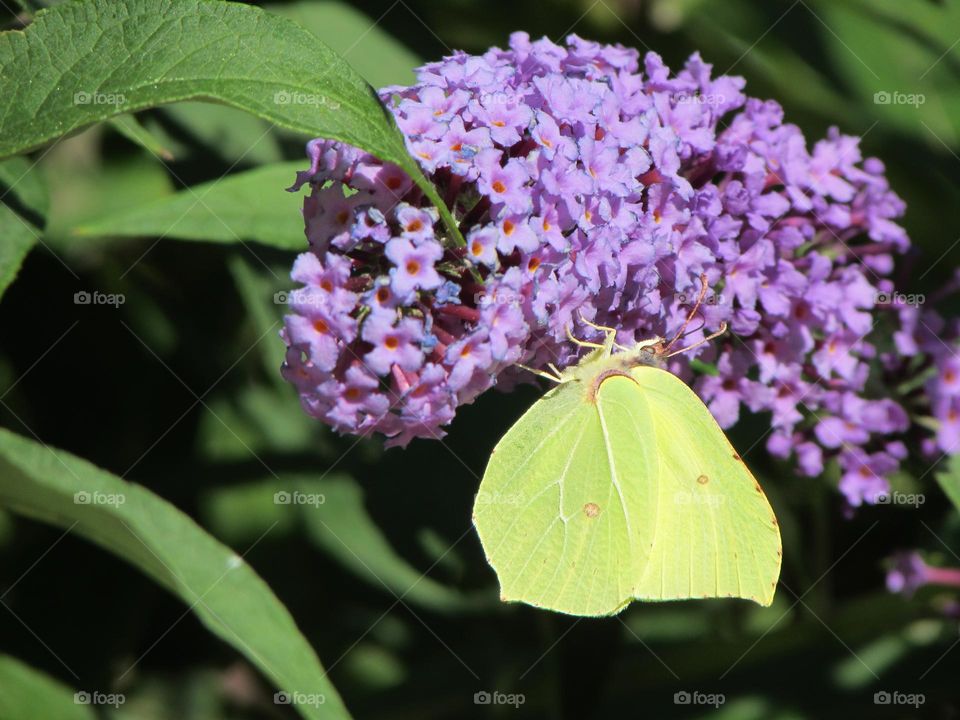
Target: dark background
119,387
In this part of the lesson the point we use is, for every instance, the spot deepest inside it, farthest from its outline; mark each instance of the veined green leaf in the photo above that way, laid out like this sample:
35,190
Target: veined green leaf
228,597
120,56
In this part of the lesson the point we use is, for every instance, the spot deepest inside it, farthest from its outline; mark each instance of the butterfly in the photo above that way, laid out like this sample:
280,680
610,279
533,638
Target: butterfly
618,485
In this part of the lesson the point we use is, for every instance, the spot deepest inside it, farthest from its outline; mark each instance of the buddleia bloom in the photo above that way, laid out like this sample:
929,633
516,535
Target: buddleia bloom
591,185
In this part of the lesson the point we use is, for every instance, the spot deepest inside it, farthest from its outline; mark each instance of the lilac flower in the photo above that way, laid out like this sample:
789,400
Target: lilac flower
588,183
413,266
393,344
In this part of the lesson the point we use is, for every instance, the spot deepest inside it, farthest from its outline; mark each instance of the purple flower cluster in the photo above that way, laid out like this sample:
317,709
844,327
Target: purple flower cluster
584,184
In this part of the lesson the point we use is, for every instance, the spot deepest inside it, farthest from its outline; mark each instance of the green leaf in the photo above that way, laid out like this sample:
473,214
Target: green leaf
21,177
233,135
228,597
24,203
949,480
260,293
17,236
900,58
251,205
130,128
116,57
28,694
378,57
333,514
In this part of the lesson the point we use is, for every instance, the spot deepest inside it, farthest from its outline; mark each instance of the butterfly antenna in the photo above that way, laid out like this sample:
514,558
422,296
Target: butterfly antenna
693,312
708,338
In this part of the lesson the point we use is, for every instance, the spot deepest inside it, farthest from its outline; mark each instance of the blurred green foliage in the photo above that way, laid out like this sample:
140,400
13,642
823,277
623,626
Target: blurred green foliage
119,386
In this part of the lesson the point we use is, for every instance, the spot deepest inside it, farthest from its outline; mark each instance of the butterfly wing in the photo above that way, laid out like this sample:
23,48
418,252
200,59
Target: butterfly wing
588,505
544,511
707,524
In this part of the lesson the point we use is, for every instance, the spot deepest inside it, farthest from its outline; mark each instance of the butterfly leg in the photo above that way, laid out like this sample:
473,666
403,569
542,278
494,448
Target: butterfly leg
610,332
553,378
584,343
